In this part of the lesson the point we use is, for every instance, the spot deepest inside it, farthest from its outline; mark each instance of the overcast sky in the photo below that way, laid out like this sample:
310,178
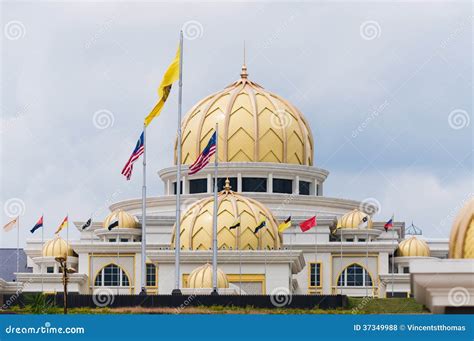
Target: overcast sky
386,88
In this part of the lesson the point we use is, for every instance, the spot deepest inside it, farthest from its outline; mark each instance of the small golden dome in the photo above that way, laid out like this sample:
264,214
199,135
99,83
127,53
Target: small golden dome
202,278
255,125
413,247
353,220
57,248
461,242
126,220
196,224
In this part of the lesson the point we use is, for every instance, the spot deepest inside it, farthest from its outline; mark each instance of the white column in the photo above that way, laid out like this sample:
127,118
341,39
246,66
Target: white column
168,187
315,190
297,185
239,182
270,183
185,188
209,183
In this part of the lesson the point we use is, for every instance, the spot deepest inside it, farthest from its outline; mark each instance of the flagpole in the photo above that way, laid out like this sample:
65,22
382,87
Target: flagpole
393,252
214,222
177,243
42,246
143,245
367,259
17,252
342,268
91,270
315,258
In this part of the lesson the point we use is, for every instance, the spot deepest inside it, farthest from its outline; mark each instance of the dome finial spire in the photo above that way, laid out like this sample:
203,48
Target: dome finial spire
244,73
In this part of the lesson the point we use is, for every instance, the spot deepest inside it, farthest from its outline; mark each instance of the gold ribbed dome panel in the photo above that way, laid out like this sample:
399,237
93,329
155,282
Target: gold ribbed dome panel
254,126
413,247
57,248
196,224
461,242
202,278
353,220
126,220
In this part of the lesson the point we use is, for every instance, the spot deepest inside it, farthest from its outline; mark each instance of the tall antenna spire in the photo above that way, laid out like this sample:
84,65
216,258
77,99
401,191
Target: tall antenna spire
244,73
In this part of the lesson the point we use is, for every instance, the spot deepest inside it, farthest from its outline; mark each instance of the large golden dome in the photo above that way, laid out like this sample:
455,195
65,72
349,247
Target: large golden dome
125,220
196,224
353,220
461,242
413,247
202,278
57,248
255,125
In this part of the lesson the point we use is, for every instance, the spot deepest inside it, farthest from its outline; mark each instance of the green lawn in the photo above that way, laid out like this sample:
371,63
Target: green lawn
356,306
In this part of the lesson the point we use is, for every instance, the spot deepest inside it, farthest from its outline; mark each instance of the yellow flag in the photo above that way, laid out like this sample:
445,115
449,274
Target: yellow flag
64,224
285,225
171,75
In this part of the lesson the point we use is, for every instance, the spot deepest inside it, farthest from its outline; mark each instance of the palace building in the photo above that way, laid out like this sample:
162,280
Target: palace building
267,171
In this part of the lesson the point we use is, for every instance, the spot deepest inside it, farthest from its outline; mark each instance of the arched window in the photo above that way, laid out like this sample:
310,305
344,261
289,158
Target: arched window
354,276
111,276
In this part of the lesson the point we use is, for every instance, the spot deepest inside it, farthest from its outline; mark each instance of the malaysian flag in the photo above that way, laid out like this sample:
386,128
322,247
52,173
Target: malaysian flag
204,157
139,149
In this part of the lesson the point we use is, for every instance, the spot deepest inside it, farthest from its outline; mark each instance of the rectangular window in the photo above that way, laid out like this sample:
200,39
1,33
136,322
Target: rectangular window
180,190
406,270
254,185
112,240
197,186
221,184
150,275
123,240
304,187
282,186
349,239
362,240
315,275
50,269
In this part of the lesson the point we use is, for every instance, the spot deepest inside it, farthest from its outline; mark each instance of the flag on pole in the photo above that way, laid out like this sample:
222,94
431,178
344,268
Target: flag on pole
205,156
139,150
262,224
285,225
38,224
11,225
62,226
87,224
389,224
113,223
308,224
171,75
235,224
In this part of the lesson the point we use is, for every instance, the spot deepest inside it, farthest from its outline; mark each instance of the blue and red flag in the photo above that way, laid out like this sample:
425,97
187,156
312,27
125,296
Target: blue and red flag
388,225
139,149
37,225
205,156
